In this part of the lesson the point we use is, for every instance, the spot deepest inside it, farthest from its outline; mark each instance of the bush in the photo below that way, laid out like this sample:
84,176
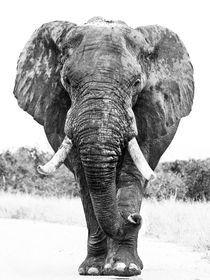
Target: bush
18,175
167,185
182,180
197,180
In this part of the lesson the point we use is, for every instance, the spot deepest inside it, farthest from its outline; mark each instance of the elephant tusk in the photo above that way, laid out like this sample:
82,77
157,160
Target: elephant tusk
139,160
58,158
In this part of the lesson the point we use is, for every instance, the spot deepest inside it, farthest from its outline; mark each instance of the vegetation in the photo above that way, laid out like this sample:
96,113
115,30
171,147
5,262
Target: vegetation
185,223
18,174
48,209
183,180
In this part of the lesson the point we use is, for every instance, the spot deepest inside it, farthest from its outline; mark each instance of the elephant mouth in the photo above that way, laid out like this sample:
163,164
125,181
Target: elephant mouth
65,148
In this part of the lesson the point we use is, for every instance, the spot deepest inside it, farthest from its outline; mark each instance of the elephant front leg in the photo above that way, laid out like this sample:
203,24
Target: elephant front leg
97,240
122,257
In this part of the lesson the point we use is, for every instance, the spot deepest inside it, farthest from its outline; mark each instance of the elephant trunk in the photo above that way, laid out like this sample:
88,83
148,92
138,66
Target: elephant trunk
100,173
100,149
100,129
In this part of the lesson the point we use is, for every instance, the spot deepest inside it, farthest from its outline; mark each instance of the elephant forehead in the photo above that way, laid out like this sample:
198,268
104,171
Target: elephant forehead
115,33
116,27
114,46
103,34
100,31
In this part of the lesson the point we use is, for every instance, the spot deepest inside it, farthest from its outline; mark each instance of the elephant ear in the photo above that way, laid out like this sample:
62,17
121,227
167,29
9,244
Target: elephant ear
168,94
38,87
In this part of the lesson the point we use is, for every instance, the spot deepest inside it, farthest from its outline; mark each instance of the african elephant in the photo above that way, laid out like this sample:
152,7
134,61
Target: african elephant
110,99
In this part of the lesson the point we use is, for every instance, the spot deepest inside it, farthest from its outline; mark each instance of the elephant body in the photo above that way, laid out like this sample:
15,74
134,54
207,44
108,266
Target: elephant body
101,86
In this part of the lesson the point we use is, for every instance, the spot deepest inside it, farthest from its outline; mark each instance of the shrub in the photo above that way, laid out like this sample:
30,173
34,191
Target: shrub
182,180
18,174
167,185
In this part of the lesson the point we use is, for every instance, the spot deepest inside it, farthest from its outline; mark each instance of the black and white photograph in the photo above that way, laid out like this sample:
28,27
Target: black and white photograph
105,141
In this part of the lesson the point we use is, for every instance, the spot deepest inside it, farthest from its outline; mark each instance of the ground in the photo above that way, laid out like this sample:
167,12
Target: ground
38,250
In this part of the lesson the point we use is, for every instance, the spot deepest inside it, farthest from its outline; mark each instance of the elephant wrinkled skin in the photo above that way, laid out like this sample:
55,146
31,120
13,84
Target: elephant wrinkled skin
110,99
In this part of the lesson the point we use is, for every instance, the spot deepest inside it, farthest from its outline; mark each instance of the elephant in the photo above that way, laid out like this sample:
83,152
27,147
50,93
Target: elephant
110,99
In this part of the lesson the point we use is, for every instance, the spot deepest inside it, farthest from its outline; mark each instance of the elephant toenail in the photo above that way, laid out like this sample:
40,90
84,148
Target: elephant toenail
133,266
81,271
107,266
120,266
93,271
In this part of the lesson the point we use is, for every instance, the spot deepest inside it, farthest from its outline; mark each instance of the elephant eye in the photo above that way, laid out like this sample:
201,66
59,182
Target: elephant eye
67,81
130,44
137,83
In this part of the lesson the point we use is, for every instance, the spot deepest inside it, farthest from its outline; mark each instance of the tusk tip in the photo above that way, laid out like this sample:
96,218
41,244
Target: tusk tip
152,177
41,171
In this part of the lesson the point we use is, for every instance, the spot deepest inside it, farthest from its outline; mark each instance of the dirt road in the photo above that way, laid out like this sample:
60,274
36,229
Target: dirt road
43,251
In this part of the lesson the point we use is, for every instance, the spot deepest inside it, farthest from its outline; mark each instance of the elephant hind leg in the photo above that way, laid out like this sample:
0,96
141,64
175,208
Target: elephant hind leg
97,240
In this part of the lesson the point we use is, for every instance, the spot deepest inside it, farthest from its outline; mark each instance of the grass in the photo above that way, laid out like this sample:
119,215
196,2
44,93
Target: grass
183,223
55,210
186,223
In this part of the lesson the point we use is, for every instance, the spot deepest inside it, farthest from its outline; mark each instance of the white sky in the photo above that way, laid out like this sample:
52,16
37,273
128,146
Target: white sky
189,19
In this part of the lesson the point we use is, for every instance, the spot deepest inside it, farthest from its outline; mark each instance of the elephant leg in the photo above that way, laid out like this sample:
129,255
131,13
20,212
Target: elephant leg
122,257
97,240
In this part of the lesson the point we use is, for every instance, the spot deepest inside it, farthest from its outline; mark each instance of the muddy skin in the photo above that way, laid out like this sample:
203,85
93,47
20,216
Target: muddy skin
100,86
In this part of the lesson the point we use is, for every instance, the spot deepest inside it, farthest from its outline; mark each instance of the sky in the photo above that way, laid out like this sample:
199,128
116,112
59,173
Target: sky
189,19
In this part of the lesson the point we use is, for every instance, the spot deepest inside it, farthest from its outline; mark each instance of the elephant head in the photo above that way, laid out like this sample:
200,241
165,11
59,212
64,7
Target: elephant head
103,91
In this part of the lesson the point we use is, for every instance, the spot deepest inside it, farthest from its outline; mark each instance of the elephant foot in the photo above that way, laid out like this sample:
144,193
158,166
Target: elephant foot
92,265
122,257
123,262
